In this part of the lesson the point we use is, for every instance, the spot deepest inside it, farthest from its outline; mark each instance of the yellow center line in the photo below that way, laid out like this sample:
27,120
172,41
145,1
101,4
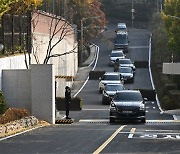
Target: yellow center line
108,140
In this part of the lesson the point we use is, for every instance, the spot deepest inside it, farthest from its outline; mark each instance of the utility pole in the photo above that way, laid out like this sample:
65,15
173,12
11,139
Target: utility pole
81,51
157,5
132,11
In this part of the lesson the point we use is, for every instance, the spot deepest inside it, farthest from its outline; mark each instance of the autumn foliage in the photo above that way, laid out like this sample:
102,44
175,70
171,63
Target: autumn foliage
13,114
17,6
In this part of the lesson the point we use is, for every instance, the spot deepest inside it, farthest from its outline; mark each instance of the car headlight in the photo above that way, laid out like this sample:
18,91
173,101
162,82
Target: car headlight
142,107
131,76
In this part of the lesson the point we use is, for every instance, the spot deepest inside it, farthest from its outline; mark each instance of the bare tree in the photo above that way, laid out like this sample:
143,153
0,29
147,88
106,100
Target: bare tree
58,28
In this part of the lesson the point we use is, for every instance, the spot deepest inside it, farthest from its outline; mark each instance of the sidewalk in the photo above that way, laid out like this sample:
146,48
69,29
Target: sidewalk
83,72
175,113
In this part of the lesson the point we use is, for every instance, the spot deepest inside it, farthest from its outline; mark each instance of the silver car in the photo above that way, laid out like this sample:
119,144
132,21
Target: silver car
109,91
109,78
115,54
127,74
127,63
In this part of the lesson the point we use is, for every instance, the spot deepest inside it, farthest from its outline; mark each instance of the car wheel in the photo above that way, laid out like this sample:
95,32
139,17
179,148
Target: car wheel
143,120
111,120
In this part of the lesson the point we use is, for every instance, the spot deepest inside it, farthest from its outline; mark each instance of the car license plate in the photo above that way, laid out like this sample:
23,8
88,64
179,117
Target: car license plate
127,111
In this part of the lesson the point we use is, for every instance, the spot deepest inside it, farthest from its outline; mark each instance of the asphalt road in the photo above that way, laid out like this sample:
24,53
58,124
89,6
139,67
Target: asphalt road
91,131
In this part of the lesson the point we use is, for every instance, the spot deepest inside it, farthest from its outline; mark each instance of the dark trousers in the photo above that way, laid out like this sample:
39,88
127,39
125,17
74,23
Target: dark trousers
67,108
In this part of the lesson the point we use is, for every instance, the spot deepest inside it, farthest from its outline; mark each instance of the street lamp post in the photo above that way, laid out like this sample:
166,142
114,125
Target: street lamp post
82,27
132,15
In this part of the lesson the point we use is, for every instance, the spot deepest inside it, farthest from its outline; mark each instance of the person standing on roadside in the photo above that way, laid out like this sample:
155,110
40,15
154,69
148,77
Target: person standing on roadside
67,100
116,65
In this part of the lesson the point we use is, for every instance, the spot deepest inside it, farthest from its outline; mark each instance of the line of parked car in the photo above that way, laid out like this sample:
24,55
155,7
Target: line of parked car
124,104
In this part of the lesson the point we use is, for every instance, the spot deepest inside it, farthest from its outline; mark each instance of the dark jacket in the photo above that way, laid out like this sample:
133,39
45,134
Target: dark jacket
68,94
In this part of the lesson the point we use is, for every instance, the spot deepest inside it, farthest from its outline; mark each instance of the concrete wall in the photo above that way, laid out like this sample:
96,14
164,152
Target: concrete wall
33,89
16,87
43,92
65,65
11,62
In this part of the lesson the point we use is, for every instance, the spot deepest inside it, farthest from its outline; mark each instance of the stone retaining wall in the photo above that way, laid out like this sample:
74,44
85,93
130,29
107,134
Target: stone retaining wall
17,125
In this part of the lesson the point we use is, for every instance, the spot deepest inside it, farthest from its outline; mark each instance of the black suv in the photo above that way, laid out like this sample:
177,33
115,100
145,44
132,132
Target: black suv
121,41
126,105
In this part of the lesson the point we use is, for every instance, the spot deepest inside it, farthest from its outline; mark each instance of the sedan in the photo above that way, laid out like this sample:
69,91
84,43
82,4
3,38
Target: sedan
109,91
109,77
115,54
127,63
127,105
127,74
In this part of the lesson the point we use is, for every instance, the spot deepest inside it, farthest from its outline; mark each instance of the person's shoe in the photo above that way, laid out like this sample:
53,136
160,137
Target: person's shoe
68,118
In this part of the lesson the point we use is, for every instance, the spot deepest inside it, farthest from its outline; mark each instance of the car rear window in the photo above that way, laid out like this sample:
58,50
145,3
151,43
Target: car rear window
114,87
111,77
117,54
125,70
125,61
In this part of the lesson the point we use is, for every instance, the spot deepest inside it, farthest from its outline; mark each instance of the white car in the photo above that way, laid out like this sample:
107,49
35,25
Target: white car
109,91
127,63
115,54
110,78
127,74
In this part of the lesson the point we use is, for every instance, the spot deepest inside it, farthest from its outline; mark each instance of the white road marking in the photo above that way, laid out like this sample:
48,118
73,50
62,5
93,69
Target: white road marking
153,134
4,138
132,133
95,109
94,120
147,121
97,55
108,140
159,130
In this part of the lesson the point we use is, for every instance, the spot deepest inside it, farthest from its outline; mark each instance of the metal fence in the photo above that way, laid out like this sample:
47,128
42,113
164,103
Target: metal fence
15,30
15,33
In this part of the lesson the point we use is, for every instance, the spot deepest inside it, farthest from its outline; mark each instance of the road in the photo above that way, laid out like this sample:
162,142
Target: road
91,132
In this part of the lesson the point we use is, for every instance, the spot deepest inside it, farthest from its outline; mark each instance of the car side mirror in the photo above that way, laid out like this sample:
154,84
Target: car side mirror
145,99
